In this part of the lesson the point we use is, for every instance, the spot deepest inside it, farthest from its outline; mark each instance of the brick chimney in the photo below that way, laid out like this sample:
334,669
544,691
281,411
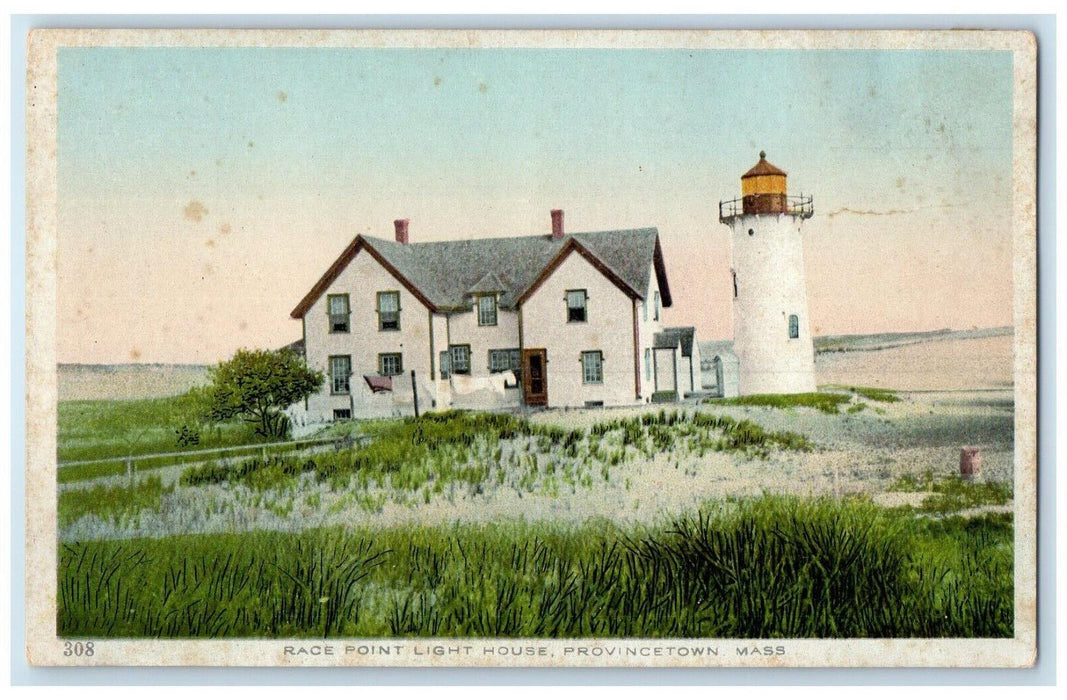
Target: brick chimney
557,224
401,231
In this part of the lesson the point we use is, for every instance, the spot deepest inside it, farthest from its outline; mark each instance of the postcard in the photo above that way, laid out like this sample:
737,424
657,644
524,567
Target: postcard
531,348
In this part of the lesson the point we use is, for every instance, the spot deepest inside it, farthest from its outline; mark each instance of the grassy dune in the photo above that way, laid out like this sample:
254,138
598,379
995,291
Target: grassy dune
414,461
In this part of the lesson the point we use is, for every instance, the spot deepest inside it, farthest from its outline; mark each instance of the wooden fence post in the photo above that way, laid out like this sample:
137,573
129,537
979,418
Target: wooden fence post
415,393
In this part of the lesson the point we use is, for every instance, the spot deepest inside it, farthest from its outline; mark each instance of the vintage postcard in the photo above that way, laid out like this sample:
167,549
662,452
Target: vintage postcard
531,348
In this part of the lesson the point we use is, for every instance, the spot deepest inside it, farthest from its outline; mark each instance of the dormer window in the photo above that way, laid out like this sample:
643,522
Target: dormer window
388,311
655,306
486,304
339,312
576,306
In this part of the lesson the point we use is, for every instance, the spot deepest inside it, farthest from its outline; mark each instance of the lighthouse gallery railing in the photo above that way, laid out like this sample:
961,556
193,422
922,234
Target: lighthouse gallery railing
796,205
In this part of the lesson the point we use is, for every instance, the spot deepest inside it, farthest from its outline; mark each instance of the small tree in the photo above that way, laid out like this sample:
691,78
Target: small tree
257,385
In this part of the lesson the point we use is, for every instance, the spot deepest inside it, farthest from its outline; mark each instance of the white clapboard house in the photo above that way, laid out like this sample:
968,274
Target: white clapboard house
549,320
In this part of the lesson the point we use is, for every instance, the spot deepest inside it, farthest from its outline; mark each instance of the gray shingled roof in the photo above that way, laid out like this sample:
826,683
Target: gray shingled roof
671,337
447,272
296,346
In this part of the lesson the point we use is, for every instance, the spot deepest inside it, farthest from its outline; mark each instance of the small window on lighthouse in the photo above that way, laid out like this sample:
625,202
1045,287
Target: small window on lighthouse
794,326
733,273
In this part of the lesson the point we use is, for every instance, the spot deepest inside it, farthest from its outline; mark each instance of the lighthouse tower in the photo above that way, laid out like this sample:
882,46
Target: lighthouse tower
772,335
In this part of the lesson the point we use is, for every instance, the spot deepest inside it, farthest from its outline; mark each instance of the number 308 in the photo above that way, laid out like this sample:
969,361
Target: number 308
77,648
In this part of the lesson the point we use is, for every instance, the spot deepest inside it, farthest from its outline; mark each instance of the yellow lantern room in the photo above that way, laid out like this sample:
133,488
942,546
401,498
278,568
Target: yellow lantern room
763,188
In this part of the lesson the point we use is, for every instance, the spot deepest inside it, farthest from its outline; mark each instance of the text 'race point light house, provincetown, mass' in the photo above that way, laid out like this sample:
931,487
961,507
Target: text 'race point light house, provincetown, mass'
772,334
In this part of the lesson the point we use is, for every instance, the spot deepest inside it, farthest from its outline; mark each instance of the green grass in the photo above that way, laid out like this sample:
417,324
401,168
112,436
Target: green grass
766,568
101,429
95,430
826,402
115,502
953,494
873,394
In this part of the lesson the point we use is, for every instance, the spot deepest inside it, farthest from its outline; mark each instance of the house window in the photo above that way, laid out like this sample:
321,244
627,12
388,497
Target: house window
592,367
340,372
487,310
655,306
576,306
644,309
794,326
388,311
648,364
733,273
390,364
339,312
342,414
461,359
505,360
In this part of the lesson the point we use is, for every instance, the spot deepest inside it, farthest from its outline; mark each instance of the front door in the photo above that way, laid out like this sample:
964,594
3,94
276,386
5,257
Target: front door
534,379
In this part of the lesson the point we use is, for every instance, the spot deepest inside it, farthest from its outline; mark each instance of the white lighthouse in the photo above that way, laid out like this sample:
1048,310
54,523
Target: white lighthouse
772,335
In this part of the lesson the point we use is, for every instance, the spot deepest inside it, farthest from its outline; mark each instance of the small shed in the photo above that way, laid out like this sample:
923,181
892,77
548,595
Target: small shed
720,368
689,368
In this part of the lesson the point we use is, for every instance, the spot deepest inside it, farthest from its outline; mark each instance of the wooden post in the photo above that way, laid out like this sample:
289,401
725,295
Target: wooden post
415,393
674,367
129,469
970,463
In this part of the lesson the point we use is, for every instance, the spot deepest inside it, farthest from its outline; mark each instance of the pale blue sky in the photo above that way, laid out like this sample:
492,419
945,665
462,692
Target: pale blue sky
294,151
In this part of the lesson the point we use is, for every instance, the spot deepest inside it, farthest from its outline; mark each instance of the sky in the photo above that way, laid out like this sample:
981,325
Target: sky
202,192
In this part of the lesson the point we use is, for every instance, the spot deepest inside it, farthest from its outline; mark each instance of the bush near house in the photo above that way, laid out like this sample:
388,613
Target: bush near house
257,385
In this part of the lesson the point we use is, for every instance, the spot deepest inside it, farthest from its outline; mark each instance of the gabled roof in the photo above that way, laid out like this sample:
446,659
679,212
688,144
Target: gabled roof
444,274
673,337
488,284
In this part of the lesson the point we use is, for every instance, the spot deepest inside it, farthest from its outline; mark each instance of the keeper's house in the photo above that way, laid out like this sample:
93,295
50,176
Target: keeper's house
548,320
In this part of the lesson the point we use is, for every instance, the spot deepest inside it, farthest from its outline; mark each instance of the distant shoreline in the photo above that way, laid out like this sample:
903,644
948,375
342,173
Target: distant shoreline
128,365
858,342
885,341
